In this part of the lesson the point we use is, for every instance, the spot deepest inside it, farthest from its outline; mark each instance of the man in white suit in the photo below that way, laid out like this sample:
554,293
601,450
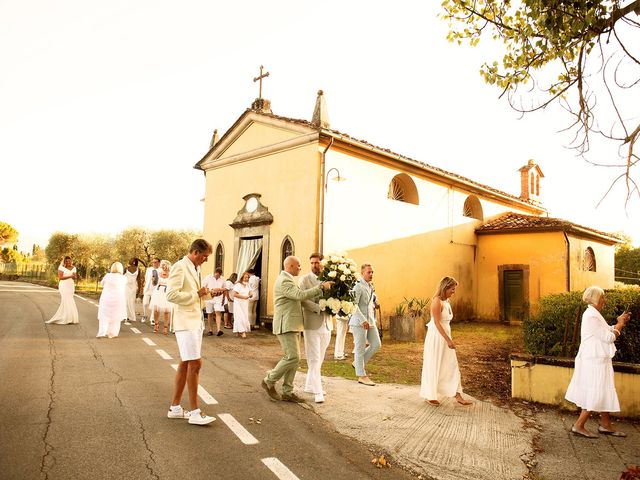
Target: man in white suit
185,291
150,281
317,330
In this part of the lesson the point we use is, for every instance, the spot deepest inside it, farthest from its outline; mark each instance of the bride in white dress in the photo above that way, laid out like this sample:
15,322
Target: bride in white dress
112,308
67,311
440,372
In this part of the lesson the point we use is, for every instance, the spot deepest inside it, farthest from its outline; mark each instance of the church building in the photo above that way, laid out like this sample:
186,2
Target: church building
277,186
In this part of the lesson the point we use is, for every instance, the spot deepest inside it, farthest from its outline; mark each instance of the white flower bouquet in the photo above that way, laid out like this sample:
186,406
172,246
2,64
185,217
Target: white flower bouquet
337,268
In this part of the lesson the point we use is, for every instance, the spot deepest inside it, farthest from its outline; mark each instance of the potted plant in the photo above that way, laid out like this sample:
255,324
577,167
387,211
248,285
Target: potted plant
408,320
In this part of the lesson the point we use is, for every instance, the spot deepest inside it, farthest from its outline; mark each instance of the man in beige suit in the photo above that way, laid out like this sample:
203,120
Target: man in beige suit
287,325
185,291
317,331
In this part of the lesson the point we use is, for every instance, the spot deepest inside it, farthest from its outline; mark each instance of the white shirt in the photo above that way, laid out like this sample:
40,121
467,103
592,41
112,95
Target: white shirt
211,282
254,285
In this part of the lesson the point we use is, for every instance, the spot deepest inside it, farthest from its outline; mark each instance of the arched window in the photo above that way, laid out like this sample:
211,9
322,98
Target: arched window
219,263
403,189
287,249
589,260
472,208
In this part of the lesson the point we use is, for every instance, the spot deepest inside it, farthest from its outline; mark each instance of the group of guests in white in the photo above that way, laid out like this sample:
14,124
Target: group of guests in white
177,296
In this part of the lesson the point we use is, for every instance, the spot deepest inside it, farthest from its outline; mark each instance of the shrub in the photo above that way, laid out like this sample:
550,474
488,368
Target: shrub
544,333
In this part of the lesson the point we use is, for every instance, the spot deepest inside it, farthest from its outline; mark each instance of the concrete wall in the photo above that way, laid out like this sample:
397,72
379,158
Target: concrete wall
535,381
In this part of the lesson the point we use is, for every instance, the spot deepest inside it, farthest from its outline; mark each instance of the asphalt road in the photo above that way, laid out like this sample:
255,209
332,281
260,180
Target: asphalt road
77,407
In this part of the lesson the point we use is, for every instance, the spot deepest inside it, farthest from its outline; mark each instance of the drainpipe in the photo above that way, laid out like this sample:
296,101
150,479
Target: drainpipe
322,192
568,266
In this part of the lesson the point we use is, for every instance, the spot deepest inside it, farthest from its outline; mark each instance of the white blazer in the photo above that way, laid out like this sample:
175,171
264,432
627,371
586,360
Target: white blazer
182,290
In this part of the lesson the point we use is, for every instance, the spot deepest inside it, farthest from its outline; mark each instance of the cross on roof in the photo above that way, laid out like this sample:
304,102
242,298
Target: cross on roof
260,77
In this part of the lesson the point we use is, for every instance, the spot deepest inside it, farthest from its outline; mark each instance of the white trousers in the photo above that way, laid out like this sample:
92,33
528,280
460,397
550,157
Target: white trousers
253,305
342,326
315,347
146,300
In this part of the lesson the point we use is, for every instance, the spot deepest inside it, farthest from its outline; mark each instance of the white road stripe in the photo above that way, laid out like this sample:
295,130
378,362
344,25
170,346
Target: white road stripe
135,330
202,393
241,432
279,469
26,290
206,397
148,341
162,353
27,285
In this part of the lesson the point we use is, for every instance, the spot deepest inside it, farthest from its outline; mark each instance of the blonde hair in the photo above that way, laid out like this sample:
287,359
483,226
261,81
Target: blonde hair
116,267
363,266
165,262
445,284
592,295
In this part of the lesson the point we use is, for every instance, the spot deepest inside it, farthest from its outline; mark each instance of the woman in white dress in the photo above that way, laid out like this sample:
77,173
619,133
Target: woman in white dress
112,308
67,311
440,372
159,304
134,289
591,387
241,295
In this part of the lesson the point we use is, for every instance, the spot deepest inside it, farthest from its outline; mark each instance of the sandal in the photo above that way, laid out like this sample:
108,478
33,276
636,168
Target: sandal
435,403
165,330
155,328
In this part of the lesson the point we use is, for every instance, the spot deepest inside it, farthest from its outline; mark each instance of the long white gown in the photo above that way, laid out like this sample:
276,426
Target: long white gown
67,311
592,385
440,372
132,289
112,307
241,309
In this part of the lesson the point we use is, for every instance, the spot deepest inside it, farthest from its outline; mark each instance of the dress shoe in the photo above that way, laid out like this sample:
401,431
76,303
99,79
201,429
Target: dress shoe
318,398
366,381
613,433
584,434
220,333
292,397
271,391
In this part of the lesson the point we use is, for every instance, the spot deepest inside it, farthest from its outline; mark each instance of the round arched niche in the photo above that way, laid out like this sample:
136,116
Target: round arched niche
402,188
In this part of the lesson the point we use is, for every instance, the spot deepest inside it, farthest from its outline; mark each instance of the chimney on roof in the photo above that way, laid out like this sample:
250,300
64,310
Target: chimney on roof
530,176
320,116
214,139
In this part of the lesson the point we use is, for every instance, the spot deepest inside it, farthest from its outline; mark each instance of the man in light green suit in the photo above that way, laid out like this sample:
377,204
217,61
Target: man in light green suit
287,325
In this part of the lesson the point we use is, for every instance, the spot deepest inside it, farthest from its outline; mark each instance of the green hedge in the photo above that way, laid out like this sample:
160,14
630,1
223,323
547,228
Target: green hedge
551,331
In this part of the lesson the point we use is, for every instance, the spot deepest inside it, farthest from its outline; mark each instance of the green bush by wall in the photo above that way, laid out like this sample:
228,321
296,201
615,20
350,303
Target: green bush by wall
551,331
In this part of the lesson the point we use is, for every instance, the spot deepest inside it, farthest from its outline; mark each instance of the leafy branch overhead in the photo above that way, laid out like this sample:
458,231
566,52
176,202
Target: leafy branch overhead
582,54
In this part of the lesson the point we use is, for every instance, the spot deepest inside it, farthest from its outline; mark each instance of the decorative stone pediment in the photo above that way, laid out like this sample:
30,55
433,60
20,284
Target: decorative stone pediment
252,214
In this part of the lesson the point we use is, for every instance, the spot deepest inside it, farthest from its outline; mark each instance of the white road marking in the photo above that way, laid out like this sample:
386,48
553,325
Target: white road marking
148,341
279,469
26,290
27,285
202,393
162,353
206,397
135,330
241,432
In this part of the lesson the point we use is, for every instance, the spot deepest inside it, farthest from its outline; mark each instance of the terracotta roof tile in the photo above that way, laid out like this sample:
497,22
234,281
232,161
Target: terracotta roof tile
518,223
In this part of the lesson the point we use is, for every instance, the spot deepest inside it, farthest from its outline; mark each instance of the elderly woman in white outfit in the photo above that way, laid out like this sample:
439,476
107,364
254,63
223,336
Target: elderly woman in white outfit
591,387
112,307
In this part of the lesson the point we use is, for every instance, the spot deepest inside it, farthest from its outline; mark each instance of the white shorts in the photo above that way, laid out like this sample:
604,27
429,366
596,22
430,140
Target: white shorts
211,307
189,344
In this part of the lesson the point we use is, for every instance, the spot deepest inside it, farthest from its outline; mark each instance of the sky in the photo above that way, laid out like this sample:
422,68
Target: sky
105,107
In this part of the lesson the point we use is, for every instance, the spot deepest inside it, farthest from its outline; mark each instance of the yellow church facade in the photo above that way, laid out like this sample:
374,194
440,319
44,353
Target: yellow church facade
277,186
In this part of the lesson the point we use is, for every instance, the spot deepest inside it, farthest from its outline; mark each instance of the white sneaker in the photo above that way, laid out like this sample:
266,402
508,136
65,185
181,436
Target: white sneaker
127,322
142,320
179,414
152,323
200,419
319,398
